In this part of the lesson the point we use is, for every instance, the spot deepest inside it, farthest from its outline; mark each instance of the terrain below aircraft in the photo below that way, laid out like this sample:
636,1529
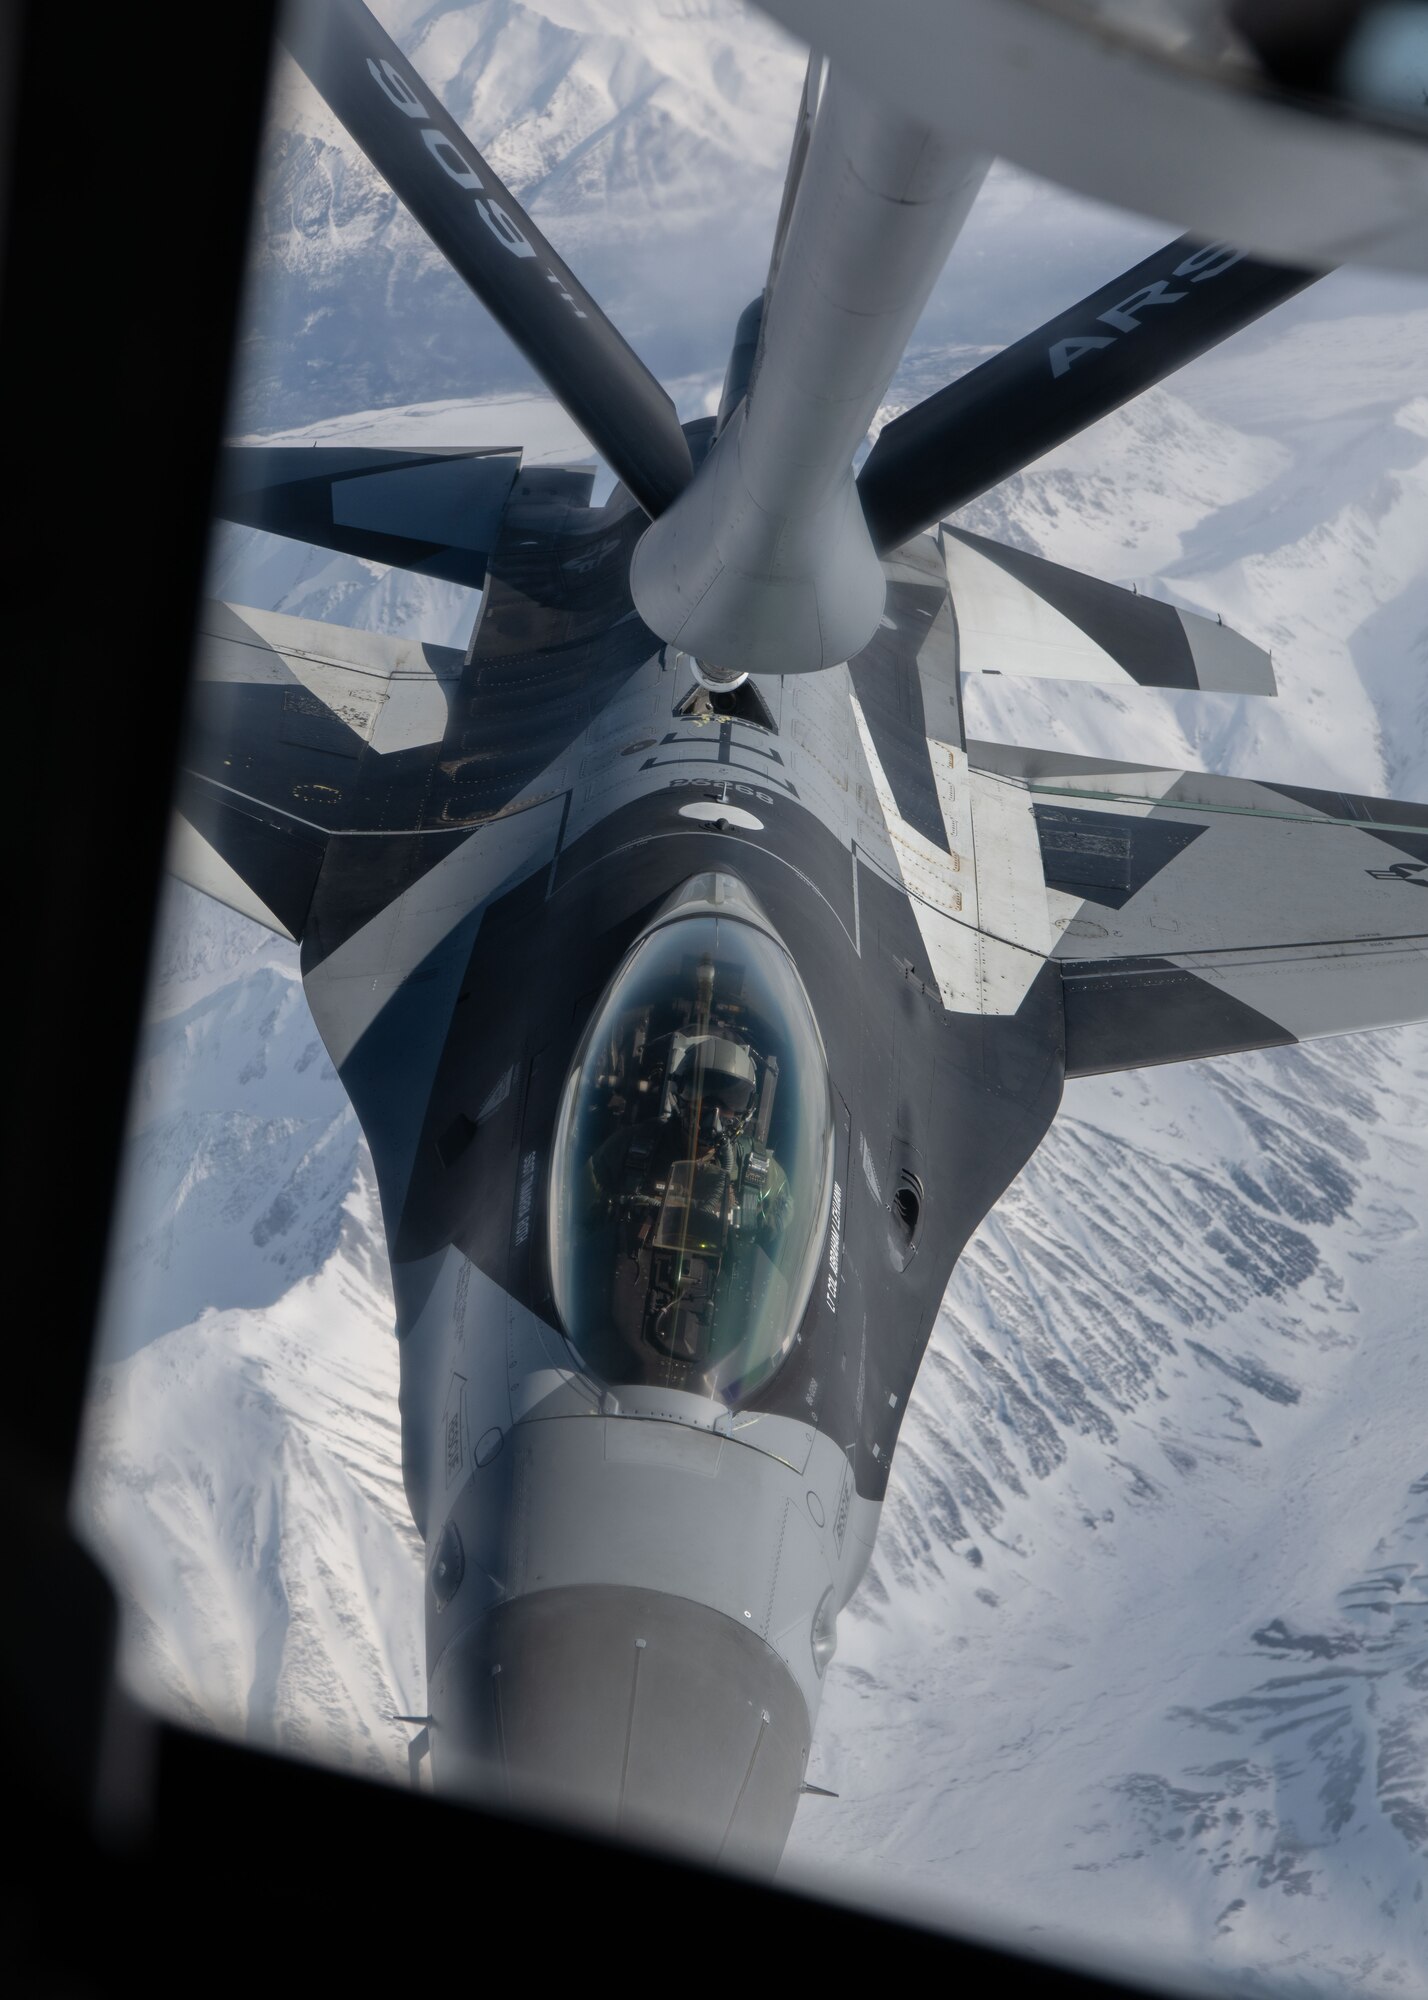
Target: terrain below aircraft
698,983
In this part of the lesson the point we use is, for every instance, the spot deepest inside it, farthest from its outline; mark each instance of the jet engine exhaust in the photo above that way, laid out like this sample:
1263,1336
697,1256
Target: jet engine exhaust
631,1712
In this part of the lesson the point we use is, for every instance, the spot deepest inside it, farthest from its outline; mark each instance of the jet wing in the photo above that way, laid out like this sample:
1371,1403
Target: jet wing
308,743
1019,614
1196,915
288,717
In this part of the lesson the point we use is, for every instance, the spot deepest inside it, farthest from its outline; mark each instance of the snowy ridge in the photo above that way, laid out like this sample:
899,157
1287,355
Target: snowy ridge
243,1469
1172,1695
628,131
649,140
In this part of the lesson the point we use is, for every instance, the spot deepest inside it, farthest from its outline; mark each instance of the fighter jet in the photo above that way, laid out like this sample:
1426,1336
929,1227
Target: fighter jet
699,984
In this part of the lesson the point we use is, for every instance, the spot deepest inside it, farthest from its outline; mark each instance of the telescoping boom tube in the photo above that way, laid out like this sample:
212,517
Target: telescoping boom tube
764,564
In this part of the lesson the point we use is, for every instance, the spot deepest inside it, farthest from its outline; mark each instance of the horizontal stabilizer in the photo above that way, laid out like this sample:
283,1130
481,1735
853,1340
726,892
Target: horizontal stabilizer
1196,915
265,869
1019,614
435,512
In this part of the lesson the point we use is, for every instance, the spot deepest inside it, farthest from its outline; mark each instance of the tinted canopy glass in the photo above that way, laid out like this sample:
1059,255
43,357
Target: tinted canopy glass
692,1168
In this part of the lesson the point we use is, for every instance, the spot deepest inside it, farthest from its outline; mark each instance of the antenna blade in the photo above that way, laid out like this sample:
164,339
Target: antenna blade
1038,392
490,242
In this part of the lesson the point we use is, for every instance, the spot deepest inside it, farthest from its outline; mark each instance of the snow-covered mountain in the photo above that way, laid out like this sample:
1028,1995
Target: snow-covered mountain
243,1449
633,133
1140,1660
1141,1665
649,141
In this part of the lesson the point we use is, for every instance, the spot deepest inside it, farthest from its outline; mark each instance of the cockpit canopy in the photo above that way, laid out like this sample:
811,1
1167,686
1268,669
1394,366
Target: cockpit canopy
692,1169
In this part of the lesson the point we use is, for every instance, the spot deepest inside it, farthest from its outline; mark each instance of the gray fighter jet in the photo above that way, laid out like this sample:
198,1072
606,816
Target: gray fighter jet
699,985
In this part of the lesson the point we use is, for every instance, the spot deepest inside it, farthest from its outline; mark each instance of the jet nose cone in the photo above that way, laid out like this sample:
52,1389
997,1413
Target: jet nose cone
627,1711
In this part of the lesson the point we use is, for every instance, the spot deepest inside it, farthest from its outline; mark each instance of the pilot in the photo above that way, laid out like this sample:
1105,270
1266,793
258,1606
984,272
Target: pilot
713,1083
713,1089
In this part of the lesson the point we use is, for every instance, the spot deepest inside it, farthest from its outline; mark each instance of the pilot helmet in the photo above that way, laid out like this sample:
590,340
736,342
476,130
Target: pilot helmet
717,1075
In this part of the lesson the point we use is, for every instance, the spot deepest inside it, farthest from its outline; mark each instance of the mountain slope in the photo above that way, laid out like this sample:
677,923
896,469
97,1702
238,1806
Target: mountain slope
1141,1657
242,1460
633,134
